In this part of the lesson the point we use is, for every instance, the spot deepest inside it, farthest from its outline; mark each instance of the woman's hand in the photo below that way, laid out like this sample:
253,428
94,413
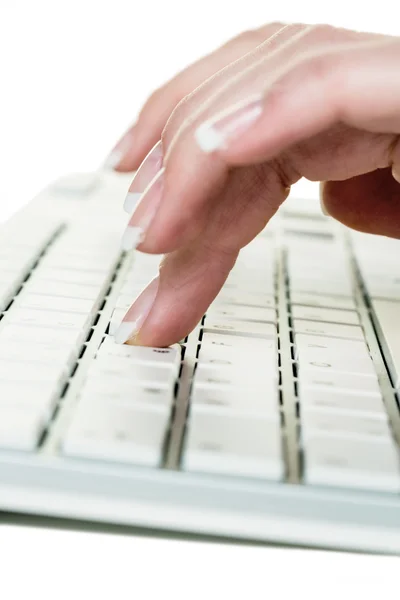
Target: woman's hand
309,101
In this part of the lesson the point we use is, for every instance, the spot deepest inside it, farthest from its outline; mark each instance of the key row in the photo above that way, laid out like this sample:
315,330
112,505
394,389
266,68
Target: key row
42,334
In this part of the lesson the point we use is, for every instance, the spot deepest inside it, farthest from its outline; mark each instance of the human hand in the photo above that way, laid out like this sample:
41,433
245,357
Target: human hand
309,101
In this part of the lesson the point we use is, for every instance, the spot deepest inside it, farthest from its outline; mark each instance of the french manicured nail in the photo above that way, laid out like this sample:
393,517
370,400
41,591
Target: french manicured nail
396,172
215,133
137,314
143,176
120,150
144,213
321,199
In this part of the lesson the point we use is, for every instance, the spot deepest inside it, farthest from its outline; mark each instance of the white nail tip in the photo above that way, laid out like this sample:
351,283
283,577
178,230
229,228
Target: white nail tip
124,332
208,138
396,173
132,238
113,159
131,200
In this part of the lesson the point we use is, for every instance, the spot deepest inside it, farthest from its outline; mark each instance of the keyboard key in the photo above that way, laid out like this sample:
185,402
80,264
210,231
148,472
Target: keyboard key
387,318
323,363
330,380
117,433
242,328
328,329
321,301
142,375
330,345
328,315
244,298
57,303
45,336
319,422
158,399
23,351
220,344
230,445
352,463
170,357
20,428
355,401
39,318
41,396
38,286
246,377
242,313
329,287
64,275
263,400
219,356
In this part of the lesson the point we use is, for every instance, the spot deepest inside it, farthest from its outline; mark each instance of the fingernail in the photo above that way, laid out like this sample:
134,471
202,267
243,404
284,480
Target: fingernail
137,314
144,213
143,176
321,199
396,173
120,150
215,133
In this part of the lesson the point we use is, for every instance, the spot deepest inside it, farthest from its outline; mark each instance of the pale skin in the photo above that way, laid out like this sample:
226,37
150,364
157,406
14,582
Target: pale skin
233,132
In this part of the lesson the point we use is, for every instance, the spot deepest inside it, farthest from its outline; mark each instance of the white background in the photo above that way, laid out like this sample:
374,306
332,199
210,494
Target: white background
73,75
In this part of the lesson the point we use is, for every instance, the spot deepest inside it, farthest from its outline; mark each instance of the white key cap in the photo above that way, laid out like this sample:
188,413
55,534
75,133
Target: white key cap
141,375
220,344
217,357
118,434
318,286
158,399
330,380
257,285
23,351
249,447
226,340
53,274
56,303
20,428
321,422
246,329
92,264
244,298
329,345
264,400
352,463
247,376
63,290
170,357
387,316
72,338
39,318
341,364
328,315
354,401
336,302
351,332
40,396
19,371
242,313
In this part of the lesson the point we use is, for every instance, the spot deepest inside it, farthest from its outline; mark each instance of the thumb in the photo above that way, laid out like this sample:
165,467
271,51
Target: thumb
368,202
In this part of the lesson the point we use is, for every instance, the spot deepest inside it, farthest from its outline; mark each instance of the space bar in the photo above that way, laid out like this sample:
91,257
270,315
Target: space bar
386,316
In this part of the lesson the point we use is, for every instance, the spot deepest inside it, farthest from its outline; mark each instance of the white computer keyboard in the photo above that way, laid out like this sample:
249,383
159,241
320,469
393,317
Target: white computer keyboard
277,419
